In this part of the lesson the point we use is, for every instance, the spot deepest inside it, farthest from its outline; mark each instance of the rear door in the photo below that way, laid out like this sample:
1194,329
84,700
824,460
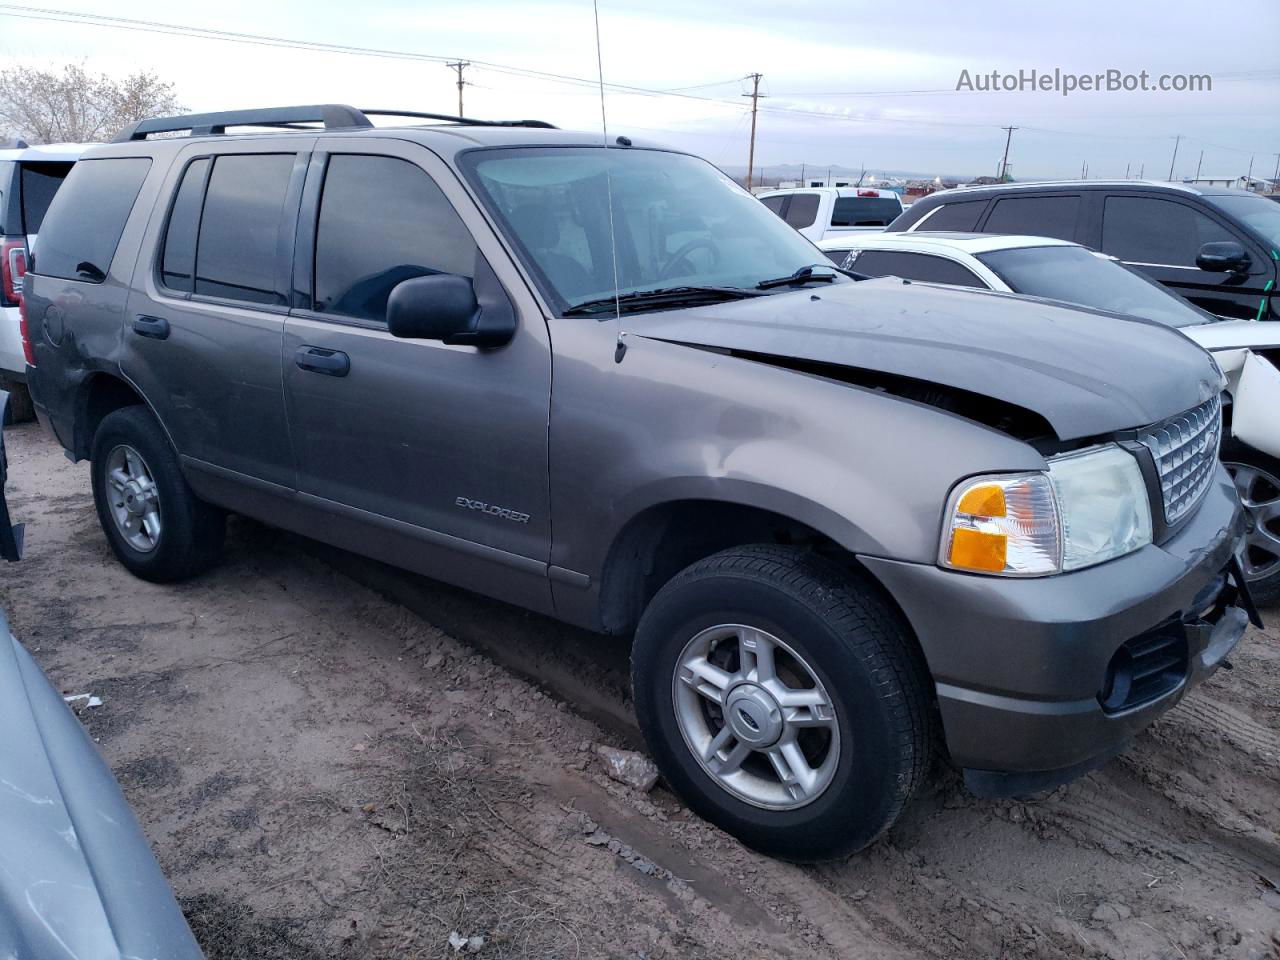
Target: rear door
206,319
438,452
1161,236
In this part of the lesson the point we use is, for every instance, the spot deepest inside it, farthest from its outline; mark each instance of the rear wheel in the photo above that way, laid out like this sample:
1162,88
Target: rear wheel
782,699
1257,478
156,526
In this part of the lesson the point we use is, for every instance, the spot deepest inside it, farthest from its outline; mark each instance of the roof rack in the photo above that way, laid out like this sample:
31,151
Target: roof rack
334,116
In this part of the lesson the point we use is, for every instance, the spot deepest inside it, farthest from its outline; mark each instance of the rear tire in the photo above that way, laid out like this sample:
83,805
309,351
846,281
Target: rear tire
155,525
1257,478
768,776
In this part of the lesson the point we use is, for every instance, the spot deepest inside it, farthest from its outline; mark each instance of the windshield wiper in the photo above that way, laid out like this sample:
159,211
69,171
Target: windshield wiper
806,275
657,299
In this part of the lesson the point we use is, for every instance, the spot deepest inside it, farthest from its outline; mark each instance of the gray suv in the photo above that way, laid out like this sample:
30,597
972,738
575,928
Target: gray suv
843,519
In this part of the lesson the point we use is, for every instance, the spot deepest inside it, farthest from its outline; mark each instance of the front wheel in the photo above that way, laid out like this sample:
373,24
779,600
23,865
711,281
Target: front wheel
783,700
1257,478
156,526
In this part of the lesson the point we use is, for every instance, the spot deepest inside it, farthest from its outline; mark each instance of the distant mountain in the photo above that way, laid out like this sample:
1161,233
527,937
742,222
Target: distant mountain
791,171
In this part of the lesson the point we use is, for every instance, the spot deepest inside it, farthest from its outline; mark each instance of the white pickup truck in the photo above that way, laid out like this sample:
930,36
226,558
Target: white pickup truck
821,213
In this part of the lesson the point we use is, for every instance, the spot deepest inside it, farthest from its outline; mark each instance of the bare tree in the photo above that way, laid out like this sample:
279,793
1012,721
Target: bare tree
73,105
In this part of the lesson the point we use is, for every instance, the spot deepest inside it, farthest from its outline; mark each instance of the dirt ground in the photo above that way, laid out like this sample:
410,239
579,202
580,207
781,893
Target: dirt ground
330,770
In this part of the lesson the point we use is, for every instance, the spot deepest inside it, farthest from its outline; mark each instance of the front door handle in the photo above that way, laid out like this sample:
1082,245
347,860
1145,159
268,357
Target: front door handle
333,363
157,328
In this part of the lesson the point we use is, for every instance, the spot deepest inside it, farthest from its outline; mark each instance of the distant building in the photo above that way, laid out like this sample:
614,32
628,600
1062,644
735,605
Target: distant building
1255,184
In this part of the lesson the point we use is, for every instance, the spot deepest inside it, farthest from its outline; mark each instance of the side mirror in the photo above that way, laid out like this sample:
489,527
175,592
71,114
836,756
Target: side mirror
443,306
1224,256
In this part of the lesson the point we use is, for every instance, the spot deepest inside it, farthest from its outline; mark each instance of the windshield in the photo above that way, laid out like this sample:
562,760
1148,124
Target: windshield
1076,275
678,221
1257,213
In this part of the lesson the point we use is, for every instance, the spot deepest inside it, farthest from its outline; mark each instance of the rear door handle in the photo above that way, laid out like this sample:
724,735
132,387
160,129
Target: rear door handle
157,328
333,363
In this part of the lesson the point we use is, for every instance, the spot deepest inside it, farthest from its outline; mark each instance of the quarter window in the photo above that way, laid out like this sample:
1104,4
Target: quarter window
1152,230
382,221
238,250
82,227
1034,216
775,203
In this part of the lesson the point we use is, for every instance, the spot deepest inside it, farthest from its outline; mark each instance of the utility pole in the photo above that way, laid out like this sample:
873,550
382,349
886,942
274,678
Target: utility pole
460,66
1199,164
1177,140
1126,171
1248,176
1275,177
1004,162
1142,170
755,97
802,183
1084,170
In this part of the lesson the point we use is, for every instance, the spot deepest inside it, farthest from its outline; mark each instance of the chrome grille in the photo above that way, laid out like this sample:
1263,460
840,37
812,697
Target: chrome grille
1185,450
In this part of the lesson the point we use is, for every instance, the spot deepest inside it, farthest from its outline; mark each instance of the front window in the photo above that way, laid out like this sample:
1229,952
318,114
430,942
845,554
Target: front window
1075,275
676,221
1257,213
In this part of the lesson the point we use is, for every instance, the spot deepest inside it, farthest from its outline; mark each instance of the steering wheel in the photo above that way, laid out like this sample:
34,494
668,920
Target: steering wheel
666,271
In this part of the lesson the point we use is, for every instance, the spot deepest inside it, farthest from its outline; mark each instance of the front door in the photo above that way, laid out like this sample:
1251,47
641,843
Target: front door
432,456
1162,237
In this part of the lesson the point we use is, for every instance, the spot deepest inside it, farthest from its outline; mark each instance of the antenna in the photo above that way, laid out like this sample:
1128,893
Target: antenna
621,347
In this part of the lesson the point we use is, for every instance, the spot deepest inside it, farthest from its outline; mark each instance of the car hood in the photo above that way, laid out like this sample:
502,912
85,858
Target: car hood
1230,334
1086,372
77,878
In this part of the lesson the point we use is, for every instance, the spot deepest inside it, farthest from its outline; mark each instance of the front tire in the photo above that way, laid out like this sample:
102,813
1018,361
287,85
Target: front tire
155,525
1257,478
783,700
21,408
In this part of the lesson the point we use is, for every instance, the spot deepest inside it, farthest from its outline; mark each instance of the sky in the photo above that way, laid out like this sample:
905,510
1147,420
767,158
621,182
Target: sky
854,85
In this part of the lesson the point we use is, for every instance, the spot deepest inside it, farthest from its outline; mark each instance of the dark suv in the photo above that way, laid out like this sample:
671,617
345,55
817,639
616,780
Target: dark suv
601,381
1219,248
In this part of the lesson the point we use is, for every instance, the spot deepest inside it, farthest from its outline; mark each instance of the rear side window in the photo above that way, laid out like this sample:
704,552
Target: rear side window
82,227
178,261
959,217
382,221
40,181
1151,230
237,250
803,210
1033,216
865,211
774,203
914,266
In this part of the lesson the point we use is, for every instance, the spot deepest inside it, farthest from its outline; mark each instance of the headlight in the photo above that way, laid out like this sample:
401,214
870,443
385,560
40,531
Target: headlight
1089,506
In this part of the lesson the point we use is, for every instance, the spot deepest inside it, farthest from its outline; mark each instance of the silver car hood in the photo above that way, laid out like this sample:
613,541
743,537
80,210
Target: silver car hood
77,878
1087,373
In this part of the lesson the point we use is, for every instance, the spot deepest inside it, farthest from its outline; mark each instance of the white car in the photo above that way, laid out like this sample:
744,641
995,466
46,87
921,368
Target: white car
828,212
1247,351
29,177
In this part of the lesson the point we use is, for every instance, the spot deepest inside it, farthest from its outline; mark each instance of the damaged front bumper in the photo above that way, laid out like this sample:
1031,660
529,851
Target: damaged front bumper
1041,680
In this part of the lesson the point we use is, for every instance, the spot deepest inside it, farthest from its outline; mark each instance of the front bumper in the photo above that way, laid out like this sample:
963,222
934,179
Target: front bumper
1023,666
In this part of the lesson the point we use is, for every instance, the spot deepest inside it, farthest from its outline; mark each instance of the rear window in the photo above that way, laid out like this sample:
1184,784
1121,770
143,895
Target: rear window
238,250
865,211
81,230
40,181
774,204
914,266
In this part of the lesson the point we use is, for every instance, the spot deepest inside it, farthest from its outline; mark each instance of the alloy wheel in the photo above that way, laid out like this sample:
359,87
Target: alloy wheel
1260,493
133,498
756,717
